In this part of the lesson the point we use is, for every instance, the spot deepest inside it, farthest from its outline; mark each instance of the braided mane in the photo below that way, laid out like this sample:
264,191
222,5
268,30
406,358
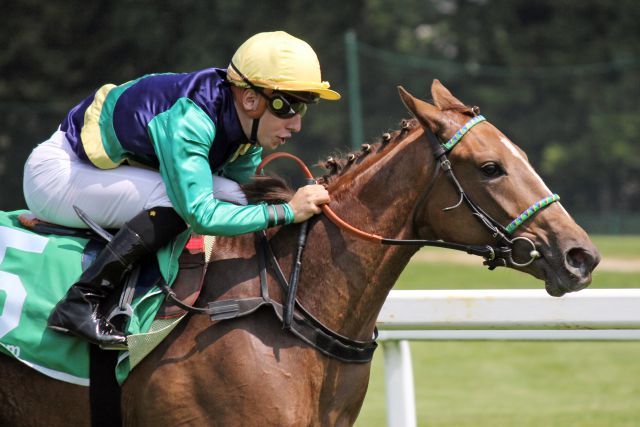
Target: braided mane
337,165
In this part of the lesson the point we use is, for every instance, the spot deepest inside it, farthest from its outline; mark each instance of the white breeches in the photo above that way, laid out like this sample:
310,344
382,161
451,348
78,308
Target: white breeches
55,180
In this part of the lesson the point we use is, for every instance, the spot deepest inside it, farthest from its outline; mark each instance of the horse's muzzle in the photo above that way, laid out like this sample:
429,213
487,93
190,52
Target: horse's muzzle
570,272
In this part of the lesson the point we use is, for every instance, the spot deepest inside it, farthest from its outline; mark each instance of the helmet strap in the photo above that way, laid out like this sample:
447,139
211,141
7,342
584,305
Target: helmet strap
253,114
254,131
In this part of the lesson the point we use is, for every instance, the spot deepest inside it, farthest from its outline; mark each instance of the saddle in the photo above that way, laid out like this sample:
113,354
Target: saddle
164,315
187,286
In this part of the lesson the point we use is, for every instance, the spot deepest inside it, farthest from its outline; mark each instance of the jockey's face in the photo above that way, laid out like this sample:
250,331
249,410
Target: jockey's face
274,131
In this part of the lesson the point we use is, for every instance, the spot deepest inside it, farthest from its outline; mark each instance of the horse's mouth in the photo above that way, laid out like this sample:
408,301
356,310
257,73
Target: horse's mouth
561,278
554,290
559,288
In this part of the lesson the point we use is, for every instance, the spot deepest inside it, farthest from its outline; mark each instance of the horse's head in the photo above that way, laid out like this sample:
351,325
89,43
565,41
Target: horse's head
497,177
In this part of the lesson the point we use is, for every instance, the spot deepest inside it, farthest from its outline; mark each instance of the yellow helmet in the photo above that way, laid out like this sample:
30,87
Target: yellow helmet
279,61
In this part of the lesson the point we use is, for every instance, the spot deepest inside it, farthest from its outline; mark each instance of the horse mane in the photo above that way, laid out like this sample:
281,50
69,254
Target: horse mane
338,164
267,188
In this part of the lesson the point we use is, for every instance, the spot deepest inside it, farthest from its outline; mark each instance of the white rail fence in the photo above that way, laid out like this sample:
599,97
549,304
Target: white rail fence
515,314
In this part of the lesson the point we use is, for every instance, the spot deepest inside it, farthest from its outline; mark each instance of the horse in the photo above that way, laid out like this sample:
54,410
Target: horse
248,371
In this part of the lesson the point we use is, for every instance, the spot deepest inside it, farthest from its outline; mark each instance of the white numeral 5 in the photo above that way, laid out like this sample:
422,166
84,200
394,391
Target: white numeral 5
11,284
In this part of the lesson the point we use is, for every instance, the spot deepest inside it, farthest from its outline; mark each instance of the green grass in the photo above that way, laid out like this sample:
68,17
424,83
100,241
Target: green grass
517,383
446,275
618,246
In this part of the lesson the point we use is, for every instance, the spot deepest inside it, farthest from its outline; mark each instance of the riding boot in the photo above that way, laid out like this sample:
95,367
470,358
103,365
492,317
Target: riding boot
78,312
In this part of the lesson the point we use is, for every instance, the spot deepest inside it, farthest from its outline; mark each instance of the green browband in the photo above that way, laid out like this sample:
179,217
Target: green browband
463,130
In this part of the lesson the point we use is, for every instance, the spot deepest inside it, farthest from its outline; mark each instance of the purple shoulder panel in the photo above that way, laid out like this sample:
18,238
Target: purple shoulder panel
72,126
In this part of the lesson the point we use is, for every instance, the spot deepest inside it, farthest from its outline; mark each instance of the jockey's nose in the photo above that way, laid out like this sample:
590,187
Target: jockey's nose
295,123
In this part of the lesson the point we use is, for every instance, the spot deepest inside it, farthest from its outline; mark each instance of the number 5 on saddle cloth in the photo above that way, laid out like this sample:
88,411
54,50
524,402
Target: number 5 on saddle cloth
38,264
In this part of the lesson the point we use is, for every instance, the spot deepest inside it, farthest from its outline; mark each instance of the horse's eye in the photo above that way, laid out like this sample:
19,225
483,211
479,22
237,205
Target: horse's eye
492,170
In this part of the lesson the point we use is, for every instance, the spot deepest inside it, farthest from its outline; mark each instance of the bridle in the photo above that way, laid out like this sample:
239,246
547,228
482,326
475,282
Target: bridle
500,255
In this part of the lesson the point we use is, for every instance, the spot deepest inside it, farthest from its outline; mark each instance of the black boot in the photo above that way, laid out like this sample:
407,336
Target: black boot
77,313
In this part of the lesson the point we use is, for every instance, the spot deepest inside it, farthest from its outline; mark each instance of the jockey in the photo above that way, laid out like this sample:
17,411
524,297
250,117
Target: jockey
164,152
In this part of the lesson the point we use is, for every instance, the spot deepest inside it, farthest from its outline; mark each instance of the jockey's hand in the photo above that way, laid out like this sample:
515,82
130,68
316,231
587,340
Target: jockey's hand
307,200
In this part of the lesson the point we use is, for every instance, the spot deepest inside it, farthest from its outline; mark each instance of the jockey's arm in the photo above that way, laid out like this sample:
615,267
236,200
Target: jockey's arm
305,202
182,137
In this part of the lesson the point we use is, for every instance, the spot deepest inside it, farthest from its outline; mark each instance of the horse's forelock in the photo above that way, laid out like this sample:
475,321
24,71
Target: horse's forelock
464,109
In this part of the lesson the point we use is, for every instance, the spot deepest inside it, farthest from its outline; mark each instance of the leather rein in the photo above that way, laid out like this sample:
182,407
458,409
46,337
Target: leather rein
309,329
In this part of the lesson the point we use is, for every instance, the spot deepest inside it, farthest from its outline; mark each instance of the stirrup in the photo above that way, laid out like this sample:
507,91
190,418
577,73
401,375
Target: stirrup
123,308
116,347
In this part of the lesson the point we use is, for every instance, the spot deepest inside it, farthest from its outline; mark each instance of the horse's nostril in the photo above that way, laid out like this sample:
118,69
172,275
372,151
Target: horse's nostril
581,260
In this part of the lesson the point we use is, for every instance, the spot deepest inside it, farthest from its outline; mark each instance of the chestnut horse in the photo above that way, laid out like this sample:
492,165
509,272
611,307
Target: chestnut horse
248,371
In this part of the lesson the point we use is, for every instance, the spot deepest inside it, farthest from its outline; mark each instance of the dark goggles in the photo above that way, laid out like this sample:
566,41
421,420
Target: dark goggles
283,104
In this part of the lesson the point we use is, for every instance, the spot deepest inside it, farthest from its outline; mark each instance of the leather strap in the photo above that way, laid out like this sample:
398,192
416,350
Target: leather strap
326,341
309,329
254,131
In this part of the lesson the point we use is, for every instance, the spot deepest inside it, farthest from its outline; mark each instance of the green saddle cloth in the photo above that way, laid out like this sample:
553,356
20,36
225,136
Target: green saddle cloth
36,271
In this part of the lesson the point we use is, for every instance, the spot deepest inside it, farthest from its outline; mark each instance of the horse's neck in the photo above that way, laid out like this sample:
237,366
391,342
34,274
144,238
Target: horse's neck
345,280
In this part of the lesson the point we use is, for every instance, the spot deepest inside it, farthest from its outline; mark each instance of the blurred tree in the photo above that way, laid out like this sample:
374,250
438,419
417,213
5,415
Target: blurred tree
559,77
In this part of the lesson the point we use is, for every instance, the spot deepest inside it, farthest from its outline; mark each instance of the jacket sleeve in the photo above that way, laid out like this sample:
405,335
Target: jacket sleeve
243,168
182,137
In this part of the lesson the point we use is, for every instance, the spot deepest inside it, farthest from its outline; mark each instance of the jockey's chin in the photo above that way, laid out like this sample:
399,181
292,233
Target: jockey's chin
274,142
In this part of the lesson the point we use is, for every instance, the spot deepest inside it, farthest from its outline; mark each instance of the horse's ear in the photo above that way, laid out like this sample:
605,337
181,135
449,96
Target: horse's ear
442,97
426,113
